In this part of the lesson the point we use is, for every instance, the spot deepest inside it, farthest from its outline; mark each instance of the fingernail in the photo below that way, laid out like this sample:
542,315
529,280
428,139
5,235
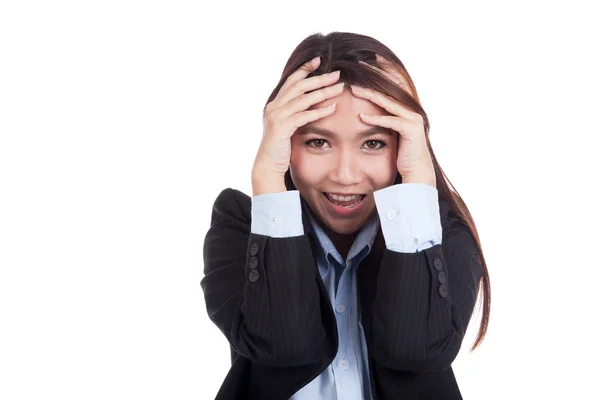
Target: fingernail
335,73
315,60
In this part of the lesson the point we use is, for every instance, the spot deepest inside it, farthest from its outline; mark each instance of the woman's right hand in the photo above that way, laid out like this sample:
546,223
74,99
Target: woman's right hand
283,116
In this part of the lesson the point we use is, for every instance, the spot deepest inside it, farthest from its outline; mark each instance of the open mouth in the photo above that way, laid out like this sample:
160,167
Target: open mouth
343,206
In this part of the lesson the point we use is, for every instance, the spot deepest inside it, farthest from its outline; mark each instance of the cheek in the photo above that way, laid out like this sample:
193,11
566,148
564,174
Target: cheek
297,158
381,167
303,168
306,168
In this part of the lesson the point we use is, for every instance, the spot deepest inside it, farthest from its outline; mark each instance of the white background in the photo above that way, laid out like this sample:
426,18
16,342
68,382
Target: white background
121,121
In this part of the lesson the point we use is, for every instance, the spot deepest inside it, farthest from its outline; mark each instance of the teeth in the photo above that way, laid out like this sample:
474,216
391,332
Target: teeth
345,201
343,198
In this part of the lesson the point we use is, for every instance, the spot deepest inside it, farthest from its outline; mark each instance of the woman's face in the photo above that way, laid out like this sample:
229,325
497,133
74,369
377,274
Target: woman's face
344,161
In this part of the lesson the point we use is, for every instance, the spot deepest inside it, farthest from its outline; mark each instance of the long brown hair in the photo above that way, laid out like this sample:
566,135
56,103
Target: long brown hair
342,51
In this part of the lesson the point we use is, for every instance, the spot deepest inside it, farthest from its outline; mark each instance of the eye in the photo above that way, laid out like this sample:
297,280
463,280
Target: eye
318,144
383,144
315,141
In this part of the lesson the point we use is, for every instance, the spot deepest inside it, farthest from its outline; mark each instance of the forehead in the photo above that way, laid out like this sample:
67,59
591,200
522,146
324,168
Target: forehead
347,102
345,118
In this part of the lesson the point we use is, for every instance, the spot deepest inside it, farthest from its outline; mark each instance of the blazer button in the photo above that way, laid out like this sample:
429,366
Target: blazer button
254,249
437,263
443,291
253,276
442,277
254,263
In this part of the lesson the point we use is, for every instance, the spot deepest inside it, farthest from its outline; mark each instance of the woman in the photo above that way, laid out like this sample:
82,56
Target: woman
353,271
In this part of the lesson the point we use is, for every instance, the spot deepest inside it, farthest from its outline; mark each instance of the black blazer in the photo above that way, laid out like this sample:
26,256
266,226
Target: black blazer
267,297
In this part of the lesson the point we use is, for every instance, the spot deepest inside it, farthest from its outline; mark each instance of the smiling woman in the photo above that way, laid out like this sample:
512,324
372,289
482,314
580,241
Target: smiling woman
354,268
349,157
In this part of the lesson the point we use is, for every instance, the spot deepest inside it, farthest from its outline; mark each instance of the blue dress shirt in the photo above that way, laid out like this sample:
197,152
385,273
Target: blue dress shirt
409,217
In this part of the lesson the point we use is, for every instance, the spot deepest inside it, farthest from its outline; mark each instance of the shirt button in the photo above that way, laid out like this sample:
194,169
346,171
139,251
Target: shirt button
391,214
277,219
340,308
344,364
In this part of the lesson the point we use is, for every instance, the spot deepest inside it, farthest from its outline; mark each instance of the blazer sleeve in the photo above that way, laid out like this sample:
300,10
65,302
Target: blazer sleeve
261,291
424,301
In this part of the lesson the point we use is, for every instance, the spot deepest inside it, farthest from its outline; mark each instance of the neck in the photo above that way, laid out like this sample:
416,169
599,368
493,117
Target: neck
342,241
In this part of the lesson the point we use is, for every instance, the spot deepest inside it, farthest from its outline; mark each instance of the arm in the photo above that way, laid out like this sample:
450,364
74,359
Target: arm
261,291
425,298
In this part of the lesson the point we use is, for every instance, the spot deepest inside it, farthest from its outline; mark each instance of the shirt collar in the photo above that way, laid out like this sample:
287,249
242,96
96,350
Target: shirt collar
362,243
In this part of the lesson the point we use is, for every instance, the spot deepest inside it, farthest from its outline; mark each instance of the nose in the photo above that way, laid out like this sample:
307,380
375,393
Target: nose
346,169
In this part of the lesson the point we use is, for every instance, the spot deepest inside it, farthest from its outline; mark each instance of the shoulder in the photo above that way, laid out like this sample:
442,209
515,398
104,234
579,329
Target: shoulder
232,204
455,229
445,209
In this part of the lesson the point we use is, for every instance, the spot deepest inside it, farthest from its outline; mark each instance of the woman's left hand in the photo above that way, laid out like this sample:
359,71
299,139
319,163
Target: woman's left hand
414,161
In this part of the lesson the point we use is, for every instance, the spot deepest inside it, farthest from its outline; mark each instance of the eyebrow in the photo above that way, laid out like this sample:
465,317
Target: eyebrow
303,130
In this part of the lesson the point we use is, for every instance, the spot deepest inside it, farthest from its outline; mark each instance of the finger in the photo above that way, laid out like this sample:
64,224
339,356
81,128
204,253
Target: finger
382,60
305,101
305,85
304,117
388,70
386,121
382,100
306,69
382,72
388,66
